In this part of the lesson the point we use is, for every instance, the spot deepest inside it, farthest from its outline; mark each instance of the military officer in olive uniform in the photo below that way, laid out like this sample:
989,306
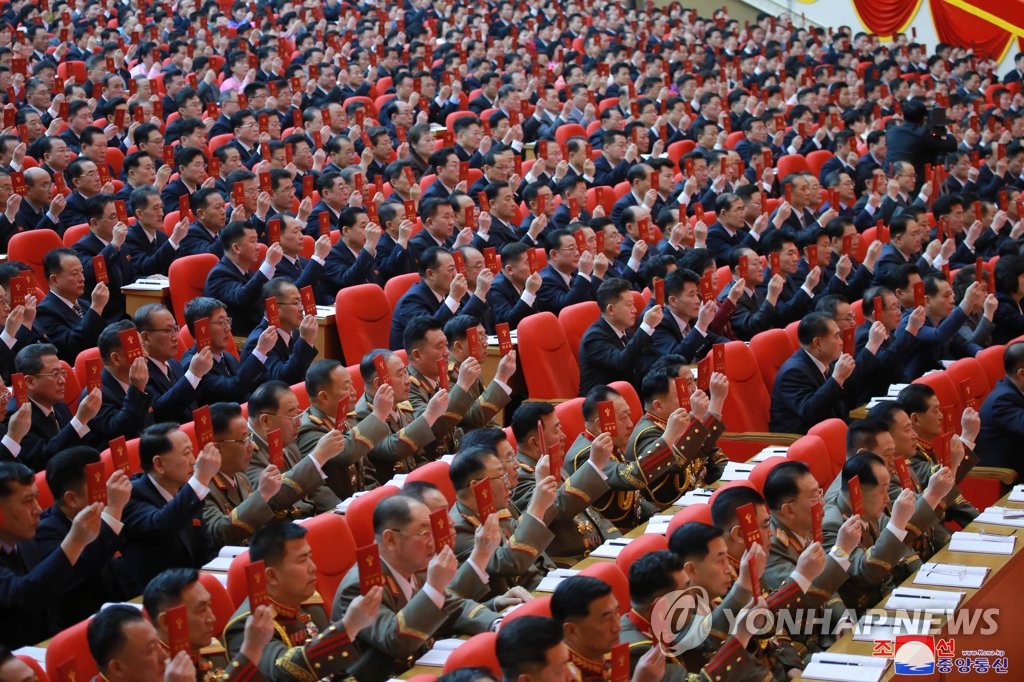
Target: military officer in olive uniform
402,449
578,529
520,558
306,645
328,385
487,402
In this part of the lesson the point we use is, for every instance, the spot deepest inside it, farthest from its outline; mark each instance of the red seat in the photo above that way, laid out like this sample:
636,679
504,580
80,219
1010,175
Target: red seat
816,160
722,279
363,318
45,497
567,130
302,394
677,150
220,601
792,163
833,433
771,348
133,456
187,277
80,361
30,248
334,552
628,393
115,159
72,387
648,542
73,68
218,141
794,338
360,513
991,361
74,233
607,200
238,588
575,320
969,370
760,473
393,292
548,364
946,391
611,574
570,415
437,474
746,409
477,652
701,513
811,450
541,606
733,139
72,644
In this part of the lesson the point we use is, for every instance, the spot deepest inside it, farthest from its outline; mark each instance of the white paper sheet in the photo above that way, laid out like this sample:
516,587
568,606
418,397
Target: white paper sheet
442,649
982,543
611,548
928,601
695,496
658,525
231,551
554,578
36,653
1002,516
734,471
219,563
1017,494
890,627
951,575
845,667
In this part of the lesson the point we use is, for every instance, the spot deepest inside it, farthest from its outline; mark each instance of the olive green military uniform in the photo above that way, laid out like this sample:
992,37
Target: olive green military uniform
954,507
447,432
401,450
486,403
315,499
349,471
623,504
689,467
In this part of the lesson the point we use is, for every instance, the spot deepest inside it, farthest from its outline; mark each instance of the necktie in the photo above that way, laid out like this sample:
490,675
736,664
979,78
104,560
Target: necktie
78,310
52,419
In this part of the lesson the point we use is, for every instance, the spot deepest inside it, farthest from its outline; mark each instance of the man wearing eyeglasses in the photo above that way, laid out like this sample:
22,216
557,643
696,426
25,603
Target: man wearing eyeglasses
106,238
53,427
568,277
293,349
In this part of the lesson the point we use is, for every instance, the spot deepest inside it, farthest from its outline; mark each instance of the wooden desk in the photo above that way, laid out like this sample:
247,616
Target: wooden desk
137,295
327,344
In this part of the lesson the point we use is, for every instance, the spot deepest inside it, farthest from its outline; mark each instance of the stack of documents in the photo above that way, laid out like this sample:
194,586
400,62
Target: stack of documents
982,543
870,628
343,505
1017,494
219,563
611,548
928,601
735,471
658,525
554,578
442,649
770,451
1002,516
951,575
845,667
695,496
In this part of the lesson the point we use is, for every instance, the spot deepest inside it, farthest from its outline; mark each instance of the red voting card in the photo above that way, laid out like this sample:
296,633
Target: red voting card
18,182
93,373
275,448
847,248
265,184
122,210
203,426
104,172
476,346
119,454
817,517
747,518
383,373
464,172
620,663
774,262
274,230
485,204
256,582
574,208
531,260
606,418
967,394
238,194
308,300
856,496
19,289
504,338
67,671
469,216
341,416
99,268
600,240
698,211
273,316
183,206
979,270
19,388
410,209
177,630
655,181
718,357
484,498
441,529
879,308
903,472
581,240
704,369
789,194
659,291
202,328
849,336
883,233
940,446
130,344
683,393
811,250
918,294
643,227
491,259
442,373
95,483
307,186
940,229
359,180
460,262
324,221
707,289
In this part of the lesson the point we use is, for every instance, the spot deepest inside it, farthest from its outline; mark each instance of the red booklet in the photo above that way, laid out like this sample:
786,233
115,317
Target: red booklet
460,262
274,230
93,373
370,573
707,289
119,454
606,418
99,268
324,221
275,448
491,259
122,210
308,300
718,358
202,327
19,388
238,193
256,582
177,630
856,496
95,483
203,426
183,206
903,472
879,308
484,498
307,186
704,369
683,392
774,262
967,394
475,345
847,249
504,338
131,344
441,528
273,317
531,260
849,338
383,373
811,251
442,374
620,662
940,446
817,518
265,184
755,579
20,288
918,294
747,518
659,291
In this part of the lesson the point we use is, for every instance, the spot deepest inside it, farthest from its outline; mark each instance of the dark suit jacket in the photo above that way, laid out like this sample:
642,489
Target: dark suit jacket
44,439
751,315
302,272
627,200
173,397
198,240
313,223
506,303
721,243
172,193
935,343
1009,319
891,258
74,212
420,300
343,270
669,340
228,380
148,257
159,535
29,218
287,362
803,397
119,270
1002,427
122,413
392,259
554,294
605,358
604,174
241,293
29,594
436,189
422,241
65,329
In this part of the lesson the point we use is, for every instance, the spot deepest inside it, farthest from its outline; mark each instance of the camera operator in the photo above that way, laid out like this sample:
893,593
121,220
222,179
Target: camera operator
921,138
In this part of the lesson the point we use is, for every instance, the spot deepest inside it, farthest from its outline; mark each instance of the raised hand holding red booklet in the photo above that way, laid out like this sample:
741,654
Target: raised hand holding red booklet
370,573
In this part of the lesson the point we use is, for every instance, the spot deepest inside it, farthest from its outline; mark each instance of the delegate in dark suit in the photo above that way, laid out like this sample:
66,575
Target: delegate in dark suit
30,584
228,380
606,357
122,413
68,331
240,291
119,270
668,339
554,294
174,396
285,361
200,240
1002,427
420,300
47,435
149,257
802,396
507,304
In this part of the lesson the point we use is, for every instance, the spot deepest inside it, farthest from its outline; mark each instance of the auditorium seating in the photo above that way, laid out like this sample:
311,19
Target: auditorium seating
187,277
437,474
548,364
360,513
362,316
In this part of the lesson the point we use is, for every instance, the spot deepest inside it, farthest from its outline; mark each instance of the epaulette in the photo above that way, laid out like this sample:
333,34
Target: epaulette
405,406
314,600
214,647
415,381
316,420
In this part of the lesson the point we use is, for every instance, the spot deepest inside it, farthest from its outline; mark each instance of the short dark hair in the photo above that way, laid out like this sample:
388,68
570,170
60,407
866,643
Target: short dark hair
14,472
29,359
110,339
573,597
812,326
524,420
862,434
723,509
66,470
416,330
393,511
222,414
164,590
198,308
691,540
105,632
266,398
523,644
319,375
781,485
913,398
155,441
650,576
861,465
467,464
269,543
610,291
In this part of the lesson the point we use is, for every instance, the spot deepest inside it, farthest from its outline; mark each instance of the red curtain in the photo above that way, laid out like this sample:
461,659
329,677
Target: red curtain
885,17
957,27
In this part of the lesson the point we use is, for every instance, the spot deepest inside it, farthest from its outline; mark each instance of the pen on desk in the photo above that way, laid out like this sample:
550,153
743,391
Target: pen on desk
830,662
909,596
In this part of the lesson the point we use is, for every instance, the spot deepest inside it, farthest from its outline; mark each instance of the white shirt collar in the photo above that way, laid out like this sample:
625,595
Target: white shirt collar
163,493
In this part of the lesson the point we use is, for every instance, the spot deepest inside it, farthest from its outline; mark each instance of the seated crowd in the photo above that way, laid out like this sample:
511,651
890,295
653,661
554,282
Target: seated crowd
513,161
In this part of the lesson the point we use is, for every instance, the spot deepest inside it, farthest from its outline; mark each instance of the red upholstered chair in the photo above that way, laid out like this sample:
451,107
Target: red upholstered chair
477,652
833,433
991,361
219,141
37,668
334,551
360,513
771,348
818,159
45,497
648,542
575,319
946,391
812,451
187,277
133,456
363,318
74,233
792,163
393,292
30,247
71,644
541,606
760,473
695,512
220,600
611,574
435,473
238,589
969,370
548,364
629,394
727,486
570,415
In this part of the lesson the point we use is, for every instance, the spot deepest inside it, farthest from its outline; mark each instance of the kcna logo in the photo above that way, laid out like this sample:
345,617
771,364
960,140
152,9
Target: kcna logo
681,619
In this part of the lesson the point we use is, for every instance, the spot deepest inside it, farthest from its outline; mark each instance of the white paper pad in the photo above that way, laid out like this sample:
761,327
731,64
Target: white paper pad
1017,494
398,480
437,656
220,563
36,653
343,505
447,458
929,601
735,471
951,575
231,551
1002,516
770,451
845,667
554,578
982,543
611,548
148,284
695,496
889,628
658,525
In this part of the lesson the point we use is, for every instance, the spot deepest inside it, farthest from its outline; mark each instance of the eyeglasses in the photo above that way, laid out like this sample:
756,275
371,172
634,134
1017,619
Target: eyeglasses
292,417
55,374
240,441
173,329
417,533
226,323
